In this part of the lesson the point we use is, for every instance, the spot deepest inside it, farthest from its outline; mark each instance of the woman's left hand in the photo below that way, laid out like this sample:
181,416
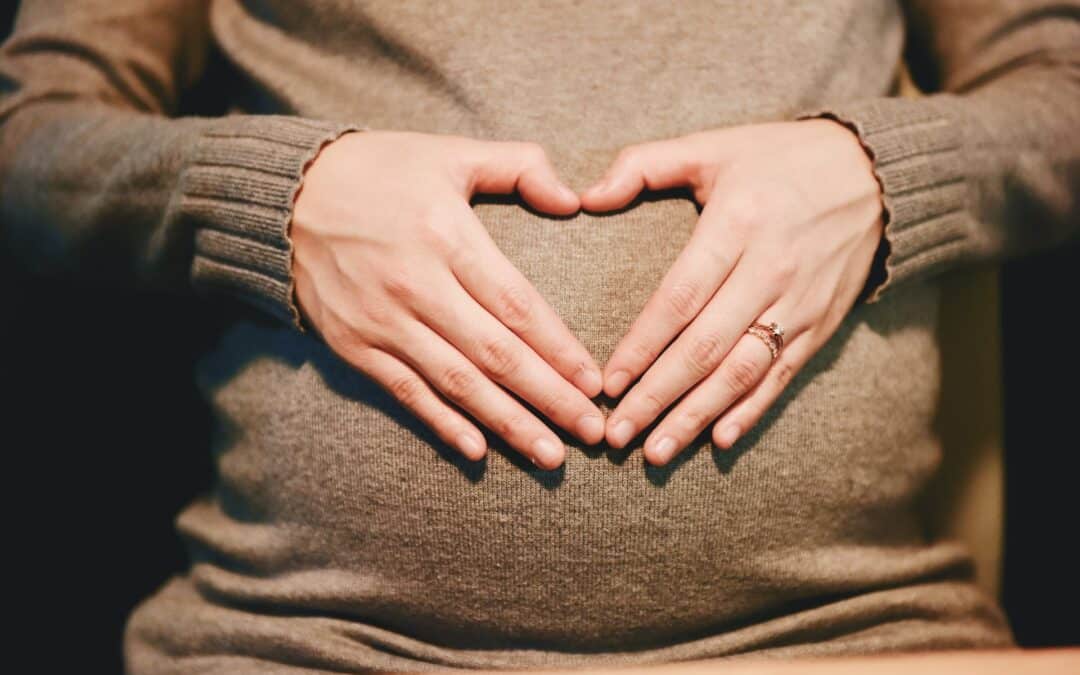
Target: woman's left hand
791,218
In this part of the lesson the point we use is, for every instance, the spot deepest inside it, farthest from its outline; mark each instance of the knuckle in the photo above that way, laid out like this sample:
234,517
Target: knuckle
830,314
364,312
459,383
683,300
400,285
627,156
552,405
777,280
376,315
460,257
719,259
445,422
513,306
692,420
643,354
357,353
499,357
440,236
740,375
703,354
653,403
742,209
686,152
509,426
784,270
457,246
407,390
562,356
785,372
339,333
346,333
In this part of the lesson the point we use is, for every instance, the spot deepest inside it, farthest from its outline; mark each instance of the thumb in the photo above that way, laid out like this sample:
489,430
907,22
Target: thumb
500,167
656,165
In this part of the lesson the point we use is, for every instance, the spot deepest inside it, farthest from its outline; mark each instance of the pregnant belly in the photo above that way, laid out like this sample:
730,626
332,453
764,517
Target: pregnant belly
333,499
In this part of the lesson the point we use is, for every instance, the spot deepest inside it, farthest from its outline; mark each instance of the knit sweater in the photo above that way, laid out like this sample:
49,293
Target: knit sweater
341,535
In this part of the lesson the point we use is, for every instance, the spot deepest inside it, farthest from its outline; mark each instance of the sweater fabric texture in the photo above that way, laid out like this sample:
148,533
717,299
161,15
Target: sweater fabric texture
341,535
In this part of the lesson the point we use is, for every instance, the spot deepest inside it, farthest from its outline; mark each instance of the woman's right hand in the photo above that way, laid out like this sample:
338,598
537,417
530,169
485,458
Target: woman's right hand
400,278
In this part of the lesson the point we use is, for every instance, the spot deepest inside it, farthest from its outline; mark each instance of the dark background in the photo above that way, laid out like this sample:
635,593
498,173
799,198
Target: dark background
108,440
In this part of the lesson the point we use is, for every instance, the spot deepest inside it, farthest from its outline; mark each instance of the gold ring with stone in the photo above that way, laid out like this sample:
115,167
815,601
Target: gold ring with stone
772,335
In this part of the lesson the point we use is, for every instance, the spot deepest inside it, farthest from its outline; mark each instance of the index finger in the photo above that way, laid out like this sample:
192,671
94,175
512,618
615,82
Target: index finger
702,266
694,354
503,290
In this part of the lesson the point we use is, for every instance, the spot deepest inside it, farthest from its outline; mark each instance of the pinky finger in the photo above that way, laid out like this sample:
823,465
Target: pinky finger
412,391
748,411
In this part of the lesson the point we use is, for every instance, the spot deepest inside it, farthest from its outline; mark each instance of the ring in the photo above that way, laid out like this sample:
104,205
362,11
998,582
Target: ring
772,335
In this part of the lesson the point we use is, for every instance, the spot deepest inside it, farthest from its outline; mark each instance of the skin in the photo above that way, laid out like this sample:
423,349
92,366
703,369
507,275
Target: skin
791,218
382,218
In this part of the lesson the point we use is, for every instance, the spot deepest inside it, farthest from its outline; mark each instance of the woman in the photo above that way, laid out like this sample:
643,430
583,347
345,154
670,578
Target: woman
793,219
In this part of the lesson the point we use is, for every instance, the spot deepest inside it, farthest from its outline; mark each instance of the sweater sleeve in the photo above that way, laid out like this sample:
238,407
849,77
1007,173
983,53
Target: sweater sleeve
100,178
987,164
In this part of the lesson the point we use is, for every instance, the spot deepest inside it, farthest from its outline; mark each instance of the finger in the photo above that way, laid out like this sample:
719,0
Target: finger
739,372
503,166
749,410
500,287
695,353
709,256
656,165
741,369
506,359
451,373
409,389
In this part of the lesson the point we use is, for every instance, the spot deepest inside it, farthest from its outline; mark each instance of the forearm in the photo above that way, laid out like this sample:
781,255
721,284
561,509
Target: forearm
99,177
988,165
99,191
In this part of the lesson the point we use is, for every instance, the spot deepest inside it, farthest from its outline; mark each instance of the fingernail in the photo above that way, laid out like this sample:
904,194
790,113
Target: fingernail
589,380
728,435
617,382
470,445
622,433
590,426
664,448
545,453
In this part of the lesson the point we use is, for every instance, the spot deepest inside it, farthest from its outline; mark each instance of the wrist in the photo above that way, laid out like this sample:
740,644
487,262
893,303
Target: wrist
859,166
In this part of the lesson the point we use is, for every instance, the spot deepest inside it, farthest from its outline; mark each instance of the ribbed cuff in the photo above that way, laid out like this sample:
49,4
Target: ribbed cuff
238,192
918,160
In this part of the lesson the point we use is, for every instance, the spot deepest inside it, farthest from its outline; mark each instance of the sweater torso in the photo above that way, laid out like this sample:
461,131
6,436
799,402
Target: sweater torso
338,509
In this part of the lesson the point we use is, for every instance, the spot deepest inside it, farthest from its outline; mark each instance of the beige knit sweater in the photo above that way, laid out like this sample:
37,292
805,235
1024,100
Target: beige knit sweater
341,534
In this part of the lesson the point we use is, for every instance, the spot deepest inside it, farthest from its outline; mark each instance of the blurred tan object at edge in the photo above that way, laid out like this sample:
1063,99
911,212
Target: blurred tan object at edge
966,499
989,662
